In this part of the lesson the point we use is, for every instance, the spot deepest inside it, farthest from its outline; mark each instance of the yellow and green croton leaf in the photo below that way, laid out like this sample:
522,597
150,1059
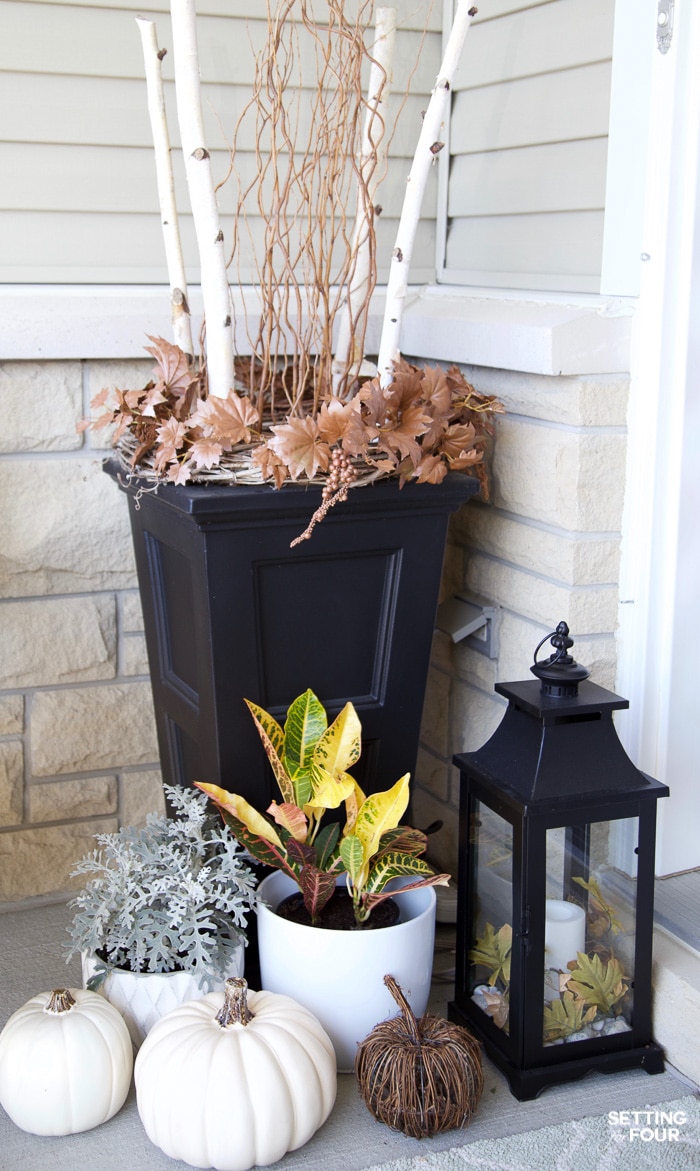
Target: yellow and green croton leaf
305,724
340,745
380,812
327,790
252,830
272,737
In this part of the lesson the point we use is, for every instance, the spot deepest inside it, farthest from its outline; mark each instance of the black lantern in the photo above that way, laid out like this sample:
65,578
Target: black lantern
556,885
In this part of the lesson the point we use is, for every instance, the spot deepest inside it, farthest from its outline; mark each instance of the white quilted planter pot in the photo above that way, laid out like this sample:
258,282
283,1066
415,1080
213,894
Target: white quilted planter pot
339,975
144,997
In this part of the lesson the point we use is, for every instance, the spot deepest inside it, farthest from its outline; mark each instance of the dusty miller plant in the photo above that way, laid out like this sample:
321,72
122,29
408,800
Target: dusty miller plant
171,896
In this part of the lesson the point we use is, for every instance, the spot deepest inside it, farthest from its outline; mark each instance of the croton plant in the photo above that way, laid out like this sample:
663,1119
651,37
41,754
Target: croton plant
310,760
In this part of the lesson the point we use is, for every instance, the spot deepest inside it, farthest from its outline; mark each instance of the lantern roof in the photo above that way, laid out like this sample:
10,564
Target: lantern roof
557,743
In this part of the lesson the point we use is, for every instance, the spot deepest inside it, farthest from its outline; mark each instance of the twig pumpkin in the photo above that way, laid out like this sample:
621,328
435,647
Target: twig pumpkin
419,1076
235,1079
65,1062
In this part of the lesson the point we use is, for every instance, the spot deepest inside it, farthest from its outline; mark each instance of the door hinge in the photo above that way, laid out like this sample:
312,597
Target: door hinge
664,25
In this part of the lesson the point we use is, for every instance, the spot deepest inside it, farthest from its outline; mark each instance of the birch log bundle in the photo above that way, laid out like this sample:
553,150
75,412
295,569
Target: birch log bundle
179,308
210,238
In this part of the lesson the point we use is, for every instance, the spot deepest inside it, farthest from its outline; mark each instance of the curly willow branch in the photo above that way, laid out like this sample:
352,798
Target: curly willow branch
308,111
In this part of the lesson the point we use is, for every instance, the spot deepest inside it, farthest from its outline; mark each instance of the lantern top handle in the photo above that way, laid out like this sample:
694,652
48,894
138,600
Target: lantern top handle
560,674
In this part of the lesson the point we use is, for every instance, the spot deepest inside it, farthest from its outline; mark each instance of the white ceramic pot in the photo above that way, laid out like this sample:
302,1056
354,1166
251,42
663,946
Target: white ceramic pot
339,975
144,997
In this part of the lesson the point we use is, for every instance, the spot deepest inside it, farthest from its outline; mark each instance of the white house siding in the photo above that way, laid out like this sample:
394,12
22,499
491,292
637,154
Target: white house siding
78,200
528,147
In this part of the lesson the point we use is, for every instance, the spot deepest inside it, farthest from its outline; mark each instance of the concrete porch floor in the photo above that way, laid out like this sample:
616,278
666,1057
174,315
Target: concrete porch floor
31,946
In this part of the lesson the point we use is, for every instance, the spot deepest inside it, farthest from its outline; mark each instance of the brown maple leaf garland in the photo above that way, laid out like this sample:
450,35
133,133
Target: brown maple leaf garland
427,422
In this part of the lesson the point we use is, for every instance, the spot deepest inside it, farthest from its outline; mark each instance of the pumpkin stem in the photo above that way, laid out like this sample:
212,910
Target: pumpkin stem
406,1010
60,1000
234,1010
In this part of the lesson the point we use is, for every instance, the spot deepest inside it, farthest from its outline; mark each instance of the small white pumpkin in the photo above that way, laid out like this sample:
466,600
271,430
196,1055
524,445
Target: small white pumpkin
235,1079
65,1062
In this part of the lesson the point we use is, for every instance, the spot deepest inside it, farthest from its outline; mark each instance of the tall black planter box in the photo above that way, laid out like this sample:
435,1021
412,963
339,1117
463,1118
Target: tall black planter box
231,611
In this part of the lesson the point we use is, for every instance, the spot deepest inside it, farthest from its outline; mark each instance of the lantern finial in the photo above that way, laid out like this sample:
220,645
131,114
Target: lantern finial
560,674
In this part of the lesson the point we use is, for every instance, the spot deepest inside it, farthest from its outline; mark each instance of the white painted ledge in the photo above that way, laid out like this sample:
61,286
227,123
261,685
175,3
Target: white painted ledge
537,333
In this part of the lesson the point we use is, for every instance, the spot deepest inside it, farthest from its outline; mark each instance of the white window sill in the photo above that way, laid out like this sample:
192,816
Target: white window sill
536,333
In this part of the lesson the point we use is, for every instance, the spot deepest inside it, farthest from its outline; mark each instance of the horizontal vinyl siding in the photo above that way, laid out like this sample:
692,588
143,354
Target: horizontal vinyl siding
525,180
78,197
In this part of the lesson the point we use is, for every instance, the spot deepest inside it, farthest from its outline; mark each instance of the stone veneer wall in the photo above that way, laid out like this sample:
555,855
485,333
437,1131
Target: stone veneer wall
78,752
545,549
78,748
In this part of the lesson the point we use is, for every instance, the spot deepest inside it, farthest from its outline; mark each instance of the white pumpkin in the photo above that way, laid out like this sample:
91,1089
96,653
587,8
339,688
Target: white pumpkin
235,1079
65,1062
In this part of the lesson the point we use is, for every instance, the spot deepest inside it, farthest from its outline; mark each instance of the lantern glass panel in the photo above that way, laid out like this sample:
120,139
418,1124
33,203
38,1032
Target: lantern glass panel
491,855
590,911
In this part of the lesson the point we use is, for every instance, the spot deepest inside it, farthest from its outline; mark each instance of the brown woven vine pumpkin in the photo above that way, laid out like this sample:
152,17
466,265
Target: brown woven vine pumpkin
419,1076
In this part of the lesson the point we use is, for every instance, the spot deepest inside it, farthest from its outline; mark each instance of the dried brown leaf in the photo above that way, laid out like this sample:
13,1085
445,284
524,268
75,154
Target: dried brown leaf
173,370
226,420
431,470
271,466
298,445
205,453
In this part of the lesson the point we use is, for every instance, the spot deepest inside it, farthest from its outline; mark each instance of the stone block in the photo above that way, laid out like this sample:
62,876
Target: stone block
11,714
134,655
598,400
442,652
443,846
132,612
66,800
142,793
57,640
432,775
121,373
586,608
84,729
475,667
561,477
435,721
42,405
574,558
64,528
518,638
11,782
39,861
475,716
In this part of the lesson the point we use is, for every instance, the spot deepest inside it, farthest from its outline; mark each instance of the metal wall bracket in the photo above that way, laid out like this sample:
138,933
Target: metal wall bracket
462,619
664,25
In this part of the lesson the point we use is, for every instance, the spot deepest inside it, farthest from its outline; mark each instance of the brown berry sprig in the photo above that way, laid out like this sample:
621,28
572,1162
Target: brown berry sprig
340,476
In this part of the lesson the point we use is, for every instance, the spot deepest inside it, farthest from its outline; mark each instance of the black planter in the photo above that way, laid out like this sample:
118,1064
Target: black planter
231,611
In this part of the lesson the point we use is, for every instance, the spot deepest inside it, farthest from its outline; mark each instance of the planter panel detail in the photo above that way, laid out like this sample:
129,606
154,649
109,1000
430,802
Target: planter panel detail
231,611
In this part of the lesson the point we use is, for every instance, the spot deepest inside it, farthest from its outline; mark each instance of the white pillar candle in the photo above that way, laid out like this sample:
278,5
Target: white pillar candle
564,935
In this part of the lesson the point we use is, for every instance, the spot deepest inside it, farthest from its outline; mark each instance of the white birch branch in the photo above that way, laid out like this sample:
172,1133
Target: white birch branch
348,352
179,309
210,241
429,145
